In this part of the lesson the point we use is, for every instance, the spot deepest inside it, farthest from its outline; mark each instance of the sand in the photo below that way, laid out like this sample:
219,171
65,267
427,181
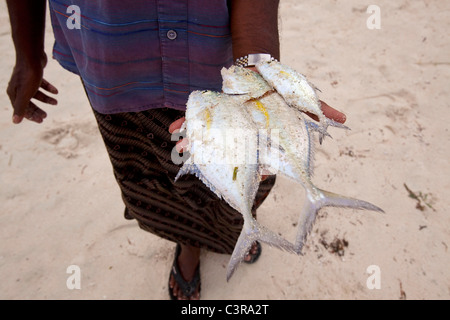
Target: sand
60,205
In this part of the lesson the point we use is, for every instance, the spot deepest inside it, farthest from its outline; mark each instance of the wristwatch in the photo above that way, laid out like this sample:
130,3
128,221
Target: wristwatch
252,59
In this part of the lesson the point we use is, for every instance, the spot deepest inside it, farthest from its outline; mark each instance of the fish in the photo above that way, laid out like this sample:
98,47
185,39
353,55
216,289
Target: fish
210,116
238,80
297,164
277,138
298,92
294,156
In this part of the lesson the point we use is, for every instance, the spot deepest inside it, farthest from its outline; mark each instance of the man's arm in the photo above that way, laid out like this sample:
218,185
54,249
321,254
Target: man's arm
27,18
254,27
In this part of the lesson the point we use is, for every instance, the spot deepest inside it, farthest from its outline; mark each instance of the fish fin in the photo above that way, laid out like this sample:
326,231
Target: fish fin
312,126
187,168
321,137
191,168
322,129
336,124
327,199
250,234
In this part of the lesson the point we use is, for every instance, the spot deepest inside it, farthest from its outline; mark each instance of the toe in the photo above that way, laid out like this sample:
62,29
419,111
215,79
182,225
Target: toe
175,288
196,295
252,252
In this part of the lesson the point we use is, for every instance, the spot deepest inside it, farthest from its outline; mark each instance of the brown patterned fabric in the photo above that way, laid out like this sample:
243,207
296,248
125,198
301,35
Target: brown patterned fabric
187,212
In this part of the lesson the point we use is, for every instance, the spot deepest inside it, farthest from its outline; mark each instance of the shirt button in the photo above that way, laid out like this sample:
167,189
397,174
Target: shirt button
171,34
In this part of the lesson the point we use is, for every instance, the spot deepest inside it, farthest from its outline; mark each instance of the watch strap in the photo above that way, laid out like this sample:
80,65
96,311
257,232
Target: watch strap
252,59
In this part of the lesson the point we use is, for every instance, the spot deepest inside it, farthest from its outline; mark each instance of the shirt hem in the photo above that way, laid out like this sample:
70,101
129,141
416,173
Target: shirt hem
141,108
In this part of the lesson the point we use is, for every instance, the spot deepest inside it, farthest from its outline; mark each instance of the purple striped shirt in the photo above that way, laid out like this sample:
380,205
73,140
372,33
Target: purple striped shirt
142,54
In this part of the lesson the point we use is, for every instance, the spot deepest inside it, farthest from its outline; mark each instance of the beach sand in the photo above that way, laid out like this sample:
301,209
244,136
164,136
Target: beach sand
60,205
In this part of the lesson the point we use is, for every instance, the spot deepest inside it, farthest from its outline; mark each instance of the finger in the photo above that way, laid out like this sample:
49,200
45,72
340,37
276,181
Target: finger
176,124
34,113
39,114
332,113
181,296
31,112
44,98
181,145
48,87
175,289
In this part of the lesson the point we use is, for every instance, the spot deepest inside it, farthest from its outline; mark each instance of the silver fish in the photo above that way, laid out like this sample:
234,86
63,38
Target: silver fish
297,163
298,92
209,117
239,80
294,158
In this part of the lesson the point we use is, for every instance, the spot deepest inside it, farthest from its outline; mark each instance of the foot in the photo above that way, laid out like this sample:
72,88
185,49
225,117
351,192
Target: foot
254,253
188,261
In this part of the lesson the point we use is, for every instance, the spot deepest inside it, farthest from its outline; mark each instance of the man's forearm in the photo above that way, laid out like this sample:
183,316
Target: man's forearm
27,19
254,27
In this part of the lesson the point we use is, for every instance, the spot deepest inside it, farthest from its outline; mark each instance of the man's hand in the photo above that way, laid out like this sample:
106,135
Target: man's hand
26,80
27,18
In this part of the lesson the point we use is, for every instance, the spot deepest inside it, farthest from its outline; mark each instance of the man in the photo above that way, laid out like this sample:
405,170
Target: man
138,61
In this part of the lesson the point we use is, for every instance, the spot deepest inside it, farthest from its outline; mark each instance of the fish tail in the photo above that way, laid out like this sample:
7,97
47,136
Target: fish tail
325,123
325,199
316,127
250,233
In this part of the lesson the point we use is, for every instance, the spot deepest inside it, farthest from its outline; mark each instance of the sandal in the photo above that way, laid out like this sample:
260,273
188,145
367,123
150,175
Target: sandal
188,288
254,257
